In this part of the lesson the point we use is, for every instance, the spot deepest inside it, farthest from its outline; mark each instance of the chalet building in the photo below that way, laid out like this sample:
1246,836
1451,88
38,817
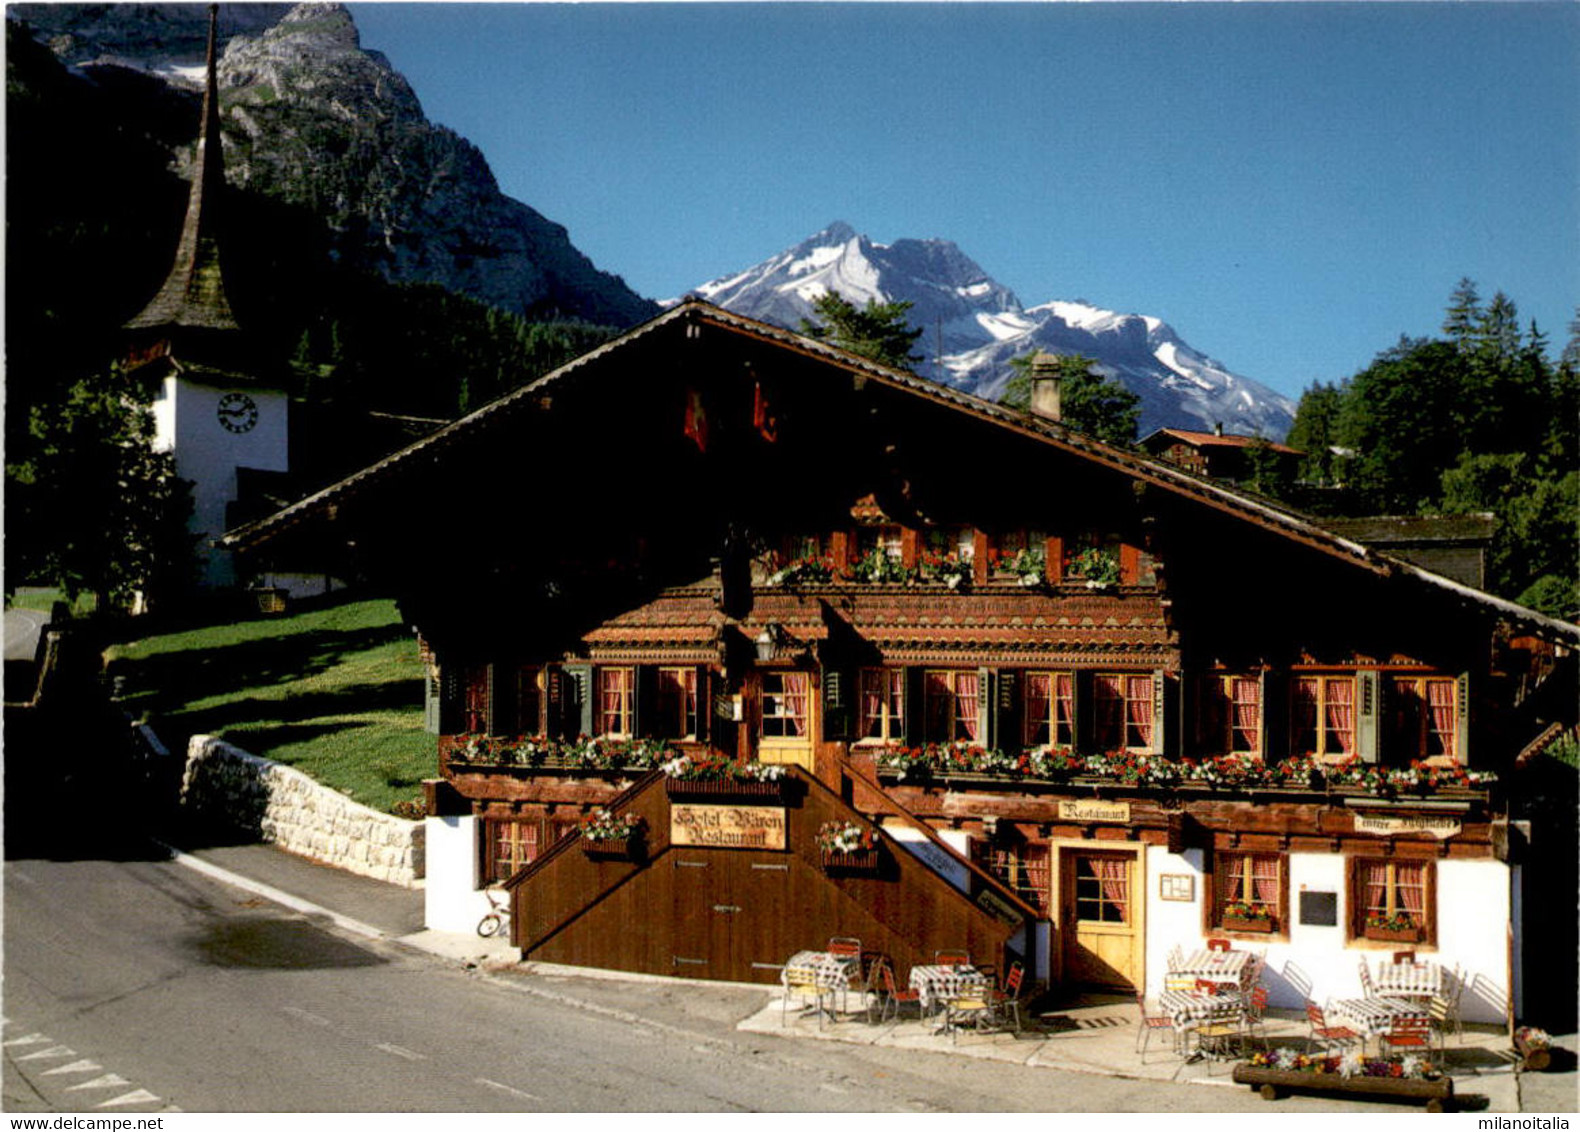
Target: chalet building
857,654
1454,546
1225,456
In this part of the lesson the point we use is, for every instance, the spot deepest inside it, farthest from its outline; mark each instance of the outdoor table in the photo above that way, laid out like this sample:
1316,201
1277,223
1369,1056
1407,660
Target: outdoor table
938,983
1189,1010
1373,1017
1229,967
829,971
1410,980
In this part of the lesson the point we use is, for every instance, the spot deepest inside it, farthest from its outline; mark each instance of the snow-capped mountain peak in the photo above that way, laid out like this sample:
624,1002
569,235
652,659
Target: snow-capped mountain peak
974,325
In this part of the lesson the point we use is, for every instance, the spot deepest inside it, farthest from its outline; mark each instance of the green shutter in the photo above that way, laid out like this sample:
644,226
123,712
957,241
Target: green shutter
644,700
987,703
1368,705
1007,708
501,699
431,701
839,697
1462,719
915,712
577,696
1160,727
450,699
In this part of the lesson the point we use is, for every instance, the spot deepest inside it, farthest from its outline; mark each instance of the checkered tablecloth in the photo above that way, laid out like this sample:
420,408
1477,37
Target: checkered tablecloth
1188,1009
1217,966
937,984
829,971
1372,1016
1411,979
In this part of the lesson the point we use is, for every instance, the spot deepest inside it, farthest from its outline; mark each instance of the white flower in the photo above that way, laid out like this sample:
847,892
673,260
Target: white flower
1351,1063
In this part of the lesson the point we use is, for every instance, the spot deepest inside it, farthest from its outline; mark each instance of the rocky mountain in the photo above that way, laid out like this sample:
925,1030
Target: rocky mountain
313,119
974,326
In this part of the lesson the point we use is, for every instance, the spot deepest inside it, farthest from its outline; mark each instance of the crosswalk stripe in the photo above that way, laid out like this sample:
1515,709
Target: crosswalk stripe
52,1051
108,1081
29,1040
83,1066
140,1096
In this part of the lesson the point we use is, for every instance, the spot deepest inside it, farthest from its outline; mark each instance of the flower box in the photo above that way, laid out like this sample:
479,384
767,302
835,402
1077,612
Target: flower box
1437,1092
856,861
1247,924
1410,934
613,848
722,789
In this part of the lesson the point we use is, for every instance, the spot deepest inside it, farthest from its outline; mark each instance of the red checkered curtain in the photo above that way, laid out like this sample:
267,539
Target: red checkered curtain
872,687
1264,880
1063,708
1247,713
1440,698
1108,696
1115,877
1038,692
1341,713
1412,889
967,686
1374,878
1138,708
797,686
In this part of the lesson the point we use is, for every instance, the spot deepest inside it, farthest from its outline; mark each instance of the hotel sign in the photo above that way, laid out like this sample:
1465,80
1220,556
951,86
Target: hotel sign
1089,809
1441,828
727,827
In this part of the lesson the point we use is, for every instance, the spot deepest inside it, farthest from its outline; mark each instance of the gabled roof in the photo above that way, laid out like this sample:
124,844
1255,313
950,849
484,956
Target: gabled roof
694,314
1217,440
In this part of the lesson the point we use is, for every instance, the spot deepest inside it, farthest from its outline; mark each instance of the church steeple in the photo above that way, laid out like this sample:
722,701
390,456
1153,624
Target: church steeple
193,296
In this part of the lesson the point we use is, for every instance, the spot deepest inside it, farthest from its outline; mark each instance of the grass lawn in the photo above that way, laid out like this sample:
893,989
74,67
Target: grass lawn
43,599
335,692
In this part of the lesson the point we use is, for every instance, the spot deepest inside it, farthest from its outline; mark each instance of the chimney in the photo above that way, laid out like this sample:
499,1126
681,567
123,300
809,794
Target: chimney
1217,428
1045,386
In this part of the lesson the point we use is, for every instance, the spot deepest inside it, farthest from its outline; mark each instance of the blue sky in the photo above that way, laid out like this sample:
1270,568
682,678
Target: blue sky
1292,186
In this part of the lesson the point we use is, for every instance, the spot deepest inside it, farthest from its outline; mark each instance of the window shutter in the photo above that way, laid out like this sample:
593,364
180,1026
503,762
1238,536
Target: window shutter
1160,728
431,701
705,720
1261,715
1462,719
1009,731
501,699
915,709
450,693
1368,697
1080,692
987,701
839,697
578,699
644,700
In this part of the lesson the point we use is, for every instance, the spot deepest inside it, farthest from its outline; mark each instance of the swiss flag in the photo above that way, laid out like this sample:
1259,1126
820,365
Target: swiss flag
763,418
696,426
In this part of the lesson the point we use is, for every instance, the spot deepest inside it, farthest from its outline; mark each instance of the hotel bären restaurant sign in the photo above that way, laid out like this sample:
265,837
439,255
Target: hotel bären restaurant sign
727,827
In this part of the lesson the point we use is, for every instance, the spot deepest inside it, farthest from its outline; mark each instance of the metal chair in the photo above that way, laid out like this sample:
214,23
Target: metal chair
1174,981
952,957
1254,1017
1322,1032
1006,1002
845,946
1404,956
1408,1033
1219,945
888,998
1444,1007
1368,987
802,985
1176,958
972,1003
1150,1023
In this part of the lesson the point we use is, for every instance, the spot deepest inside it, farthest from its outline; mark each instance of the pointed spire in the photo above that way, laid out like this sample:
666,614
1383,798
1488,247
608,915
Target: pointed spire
194,293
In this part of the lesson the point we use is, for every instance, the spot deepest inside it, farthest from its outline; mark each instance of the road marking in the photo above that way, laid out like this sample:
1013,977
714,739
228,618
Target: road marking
30,1040
108,1081
307,1016
52,1051
83,1066
507,1089
140,1096
399,1051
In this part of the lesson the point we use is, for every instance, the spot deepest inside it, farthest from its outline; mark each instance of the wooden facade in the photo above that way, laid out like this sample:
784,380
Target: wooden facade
1130,705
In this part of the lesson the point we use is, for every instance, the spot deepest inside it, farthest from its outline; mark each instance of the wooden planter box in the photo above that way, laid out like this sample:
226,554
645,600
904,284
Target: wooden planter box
624,849
722,789
861,861
1237,924
1438,1093
1533,1058
1394,935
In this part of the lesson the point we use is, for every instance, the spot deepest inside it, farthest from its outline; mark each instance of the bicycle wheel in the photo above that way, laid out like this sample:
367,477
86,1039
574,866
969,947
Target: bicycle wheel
490,924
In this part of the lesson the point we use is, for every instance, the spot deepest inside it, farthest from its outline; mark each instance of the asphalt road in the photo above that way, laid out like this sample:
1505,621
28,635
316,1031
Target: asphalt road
140,985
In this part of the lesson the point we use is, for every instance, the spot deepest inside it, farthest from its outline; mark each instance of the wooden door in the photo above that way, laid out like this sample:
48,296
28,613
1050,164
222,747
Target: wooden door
1100,902
730,911
787,719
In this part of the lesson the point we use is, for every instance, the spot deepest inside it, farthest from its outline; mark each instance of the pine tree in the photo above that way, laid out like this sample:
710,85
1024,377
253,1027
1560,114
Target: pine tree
1464,314
879,332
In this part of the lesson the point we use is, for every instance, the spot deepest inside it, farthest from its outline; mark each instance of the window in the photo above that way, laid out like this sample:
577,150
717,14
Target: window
883,704
1323,716
474,705
1049,710
1392,895
1122,711
1424,717
529,700
1252,881
510,845
957,541
952,703
1102,889
886,537
1229,714
786,697
615,694
677,703
1020,865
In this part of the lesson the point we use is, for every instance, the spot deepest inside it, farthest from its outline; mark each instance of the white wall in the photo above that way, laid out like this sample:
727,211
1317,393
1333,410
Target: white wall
452,900
1473,914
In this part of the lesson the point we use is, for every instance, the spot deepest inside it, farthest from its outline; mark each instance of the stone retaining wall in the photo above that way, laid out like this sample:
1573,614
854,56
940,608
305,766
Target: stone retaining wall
229,790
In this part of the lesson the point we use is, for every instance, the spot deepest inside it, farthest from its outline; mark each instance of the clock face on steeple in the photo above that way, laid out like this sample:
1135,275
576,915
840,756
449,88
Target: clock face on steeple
237,412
